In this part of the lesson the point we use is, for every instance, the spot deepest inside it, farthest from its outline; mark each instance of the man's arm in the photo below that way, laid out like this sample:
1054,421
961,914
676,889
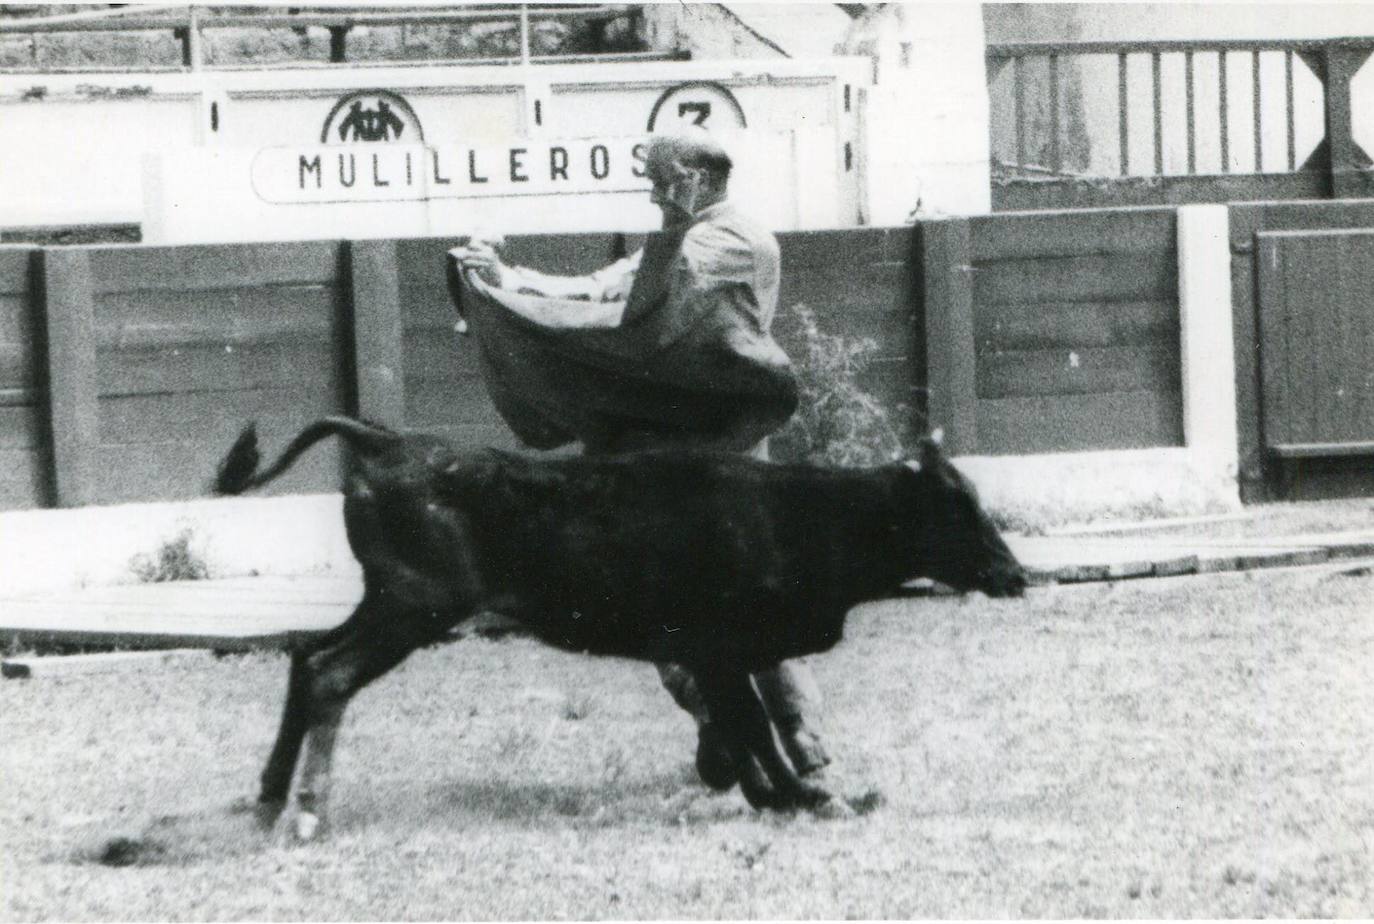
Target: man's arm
609,284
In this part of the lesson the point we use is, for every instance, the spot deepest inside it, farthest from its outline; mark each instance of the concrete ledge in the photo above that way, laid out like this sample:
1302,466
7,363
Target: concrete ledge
1039,491
54,549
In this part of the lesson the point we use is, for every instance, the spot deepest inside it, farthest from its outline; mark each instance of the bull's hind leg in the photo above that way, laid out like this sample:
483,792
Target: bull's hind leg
736,709
281,765
335,674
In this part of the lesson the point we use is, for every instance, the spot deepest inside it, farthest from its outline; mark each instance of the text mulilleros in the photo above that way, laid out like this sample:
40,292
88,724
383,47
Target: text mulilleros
383,172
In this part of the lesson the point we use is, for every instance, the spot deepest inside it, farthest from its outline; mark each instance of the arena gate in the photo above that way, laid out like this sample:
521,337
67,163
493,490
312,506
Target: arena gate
1301,277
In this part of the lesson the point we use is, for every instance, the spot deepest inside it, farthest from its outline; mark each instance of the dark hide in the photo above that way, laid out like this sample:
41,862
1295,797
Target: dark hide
721,563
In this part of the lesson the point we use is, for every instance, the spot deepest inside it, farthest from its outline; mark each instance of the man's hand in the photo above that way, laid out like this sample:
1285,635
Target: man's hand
481,257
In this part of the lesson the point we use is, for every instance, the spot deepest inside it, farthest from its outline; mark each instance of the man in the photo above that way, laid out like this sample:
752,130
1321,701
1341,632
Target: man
710,265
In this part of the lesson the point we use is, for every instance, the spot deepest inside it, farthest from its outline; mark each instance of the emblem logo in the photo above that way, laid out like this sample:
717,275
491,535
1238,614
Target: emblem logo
371,115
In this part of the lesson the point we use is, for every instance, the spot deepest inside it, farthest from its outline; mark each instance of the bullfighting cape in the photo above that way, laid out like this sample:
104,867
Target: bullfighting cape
670,366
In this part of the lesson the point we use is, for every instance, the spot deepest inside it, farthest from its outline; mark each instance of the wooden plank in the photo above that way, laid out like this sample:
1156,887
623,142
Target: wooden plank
20,365
226,317
71,365
431,403
200,416
1072,233
21,427
18,317
378,363
310,367
837,249
1021,194
426,306
184,470
1009,374
1071,423
16,268
218,266
947,299
1097,277
1322,450
473,436
1076,325
23,479
100,663
431,354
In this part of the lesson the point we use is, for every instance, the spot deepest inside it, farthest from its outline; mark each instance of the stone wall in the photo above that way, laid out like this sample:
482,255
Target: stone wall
284,45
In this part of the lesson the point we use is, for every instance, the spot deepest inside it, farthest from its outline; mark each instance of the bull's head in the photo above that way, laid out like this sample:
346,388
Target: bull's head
956,543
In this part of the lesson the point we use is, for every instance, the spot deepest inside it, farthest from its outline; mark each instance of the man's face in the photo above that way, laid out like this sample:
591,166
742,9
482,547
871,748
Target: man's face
675,188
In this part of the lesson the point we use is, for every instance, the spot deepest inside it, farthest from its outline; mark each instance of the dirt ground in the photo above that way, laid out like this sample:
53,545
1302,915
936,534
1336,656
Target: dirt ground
1190,747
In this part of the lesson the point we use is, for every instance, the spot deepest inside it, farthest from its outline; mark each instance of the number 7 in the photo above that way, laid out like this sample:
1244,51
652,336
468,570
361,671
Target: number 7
702,111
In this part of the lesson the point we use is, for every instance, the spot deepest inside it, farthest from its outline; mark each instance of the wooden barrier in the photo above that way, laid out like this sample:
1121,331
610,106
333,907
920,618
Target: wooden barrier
1067,325
1264,476
1016,333
24,440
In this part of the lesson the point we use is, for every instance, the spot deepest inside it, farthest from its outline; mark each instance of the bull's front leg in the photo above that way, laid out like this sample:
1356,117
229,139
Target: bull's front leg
736,709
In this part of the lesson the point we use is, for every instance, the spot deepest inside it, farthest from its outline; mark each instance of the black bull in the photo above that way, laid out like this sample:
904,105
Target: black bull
723,564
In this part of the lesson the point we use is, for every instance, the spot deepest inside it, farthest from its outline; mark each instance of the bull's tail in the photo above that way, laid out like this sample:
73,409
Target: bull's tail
238,472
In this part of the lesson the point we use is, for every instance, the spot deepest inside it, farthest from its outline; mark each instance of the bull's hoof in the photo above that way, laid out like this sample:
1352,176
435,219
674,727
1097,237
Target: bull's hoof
304,828
831,808
715,766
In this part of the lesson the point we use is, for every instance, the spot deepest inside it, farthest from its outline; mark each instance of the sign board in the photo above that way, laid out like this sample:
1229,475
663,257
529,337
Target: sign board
415,133
220,195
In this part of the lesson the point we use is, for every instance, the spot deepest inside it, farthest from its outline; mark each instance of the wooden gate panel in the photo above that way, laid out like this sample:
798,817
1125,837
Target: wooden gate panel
1317,336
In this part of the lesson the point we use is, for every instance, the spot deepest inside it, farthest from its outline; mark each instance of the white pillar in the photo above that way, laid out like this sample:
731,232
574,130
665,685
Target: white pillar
925,146
1208,347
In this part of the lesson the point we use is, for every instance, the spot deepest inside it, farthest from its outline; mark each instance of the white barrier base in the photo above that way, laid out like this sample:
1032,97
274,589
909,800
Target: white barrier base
1052,489
56,549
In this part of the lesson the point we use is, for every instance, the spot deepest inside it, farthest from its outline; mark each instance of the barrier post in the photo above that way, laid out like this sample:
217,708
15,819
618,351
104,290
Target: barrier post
73,408
374,288
947,295
1207,344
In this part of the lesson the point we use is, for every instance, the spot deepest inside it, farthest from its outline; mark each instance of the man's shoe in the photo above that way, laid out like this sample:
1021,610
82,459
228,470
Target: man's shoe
715,766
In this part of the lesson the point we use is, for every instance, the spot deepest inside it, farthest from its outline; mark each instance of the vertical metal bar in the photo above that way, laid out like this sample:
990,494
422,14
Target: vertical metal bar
1019,88
524,33
1159,114
1223,110
1192,114
1056,160
1123,128
338,44
1288,97
1259,130
193,38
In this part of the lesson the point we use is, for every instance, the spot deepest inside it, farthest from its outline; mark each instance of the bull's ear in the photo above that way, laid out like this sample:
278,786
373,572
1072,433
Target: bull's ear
914,465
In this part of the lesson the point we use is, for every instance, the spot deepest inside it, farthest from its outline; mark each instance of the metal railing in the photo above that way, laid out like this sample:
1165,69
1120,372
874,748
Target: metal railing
189,22
1050,143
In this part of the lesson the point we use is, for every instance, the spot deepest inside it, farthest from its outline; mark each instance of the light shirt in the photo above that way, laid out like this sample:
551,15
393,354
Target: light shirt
726,263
